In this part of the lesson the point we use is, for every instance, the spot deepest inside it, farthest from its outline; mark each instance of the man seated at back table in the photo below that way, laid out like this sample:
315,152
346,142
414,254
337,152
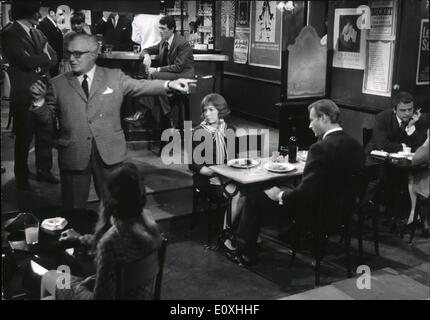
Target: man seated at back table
393,130
175,59
330,161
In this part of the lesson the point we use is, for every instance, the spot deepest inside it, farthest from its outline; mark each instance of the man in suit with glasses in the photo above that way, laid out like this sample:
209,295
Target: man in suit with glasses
87,103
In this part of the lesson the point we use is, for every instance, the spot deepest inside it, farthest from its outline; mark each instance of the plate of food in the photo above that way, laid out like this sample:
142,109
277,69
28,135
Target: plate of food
279,167
243,163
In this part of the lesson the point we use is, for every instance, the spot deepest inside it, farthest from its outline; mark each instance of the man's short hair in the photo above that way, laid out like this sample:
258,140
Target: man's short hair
327,107
91,39
402,97
168,21
24,10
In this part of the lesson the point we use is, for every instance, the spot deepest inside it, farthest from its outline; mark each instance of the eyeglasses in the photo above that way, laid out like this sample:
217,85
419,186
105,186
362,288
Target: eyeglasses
76,54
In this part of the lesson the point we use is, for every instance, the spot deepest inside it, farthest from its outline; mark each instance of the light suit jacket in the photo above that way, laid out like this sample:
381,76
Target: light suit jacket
97,117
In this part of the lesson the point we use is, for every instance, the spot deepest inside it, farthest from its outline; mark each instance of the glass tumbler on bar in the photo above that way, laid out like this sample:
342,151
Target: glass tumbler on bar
31,232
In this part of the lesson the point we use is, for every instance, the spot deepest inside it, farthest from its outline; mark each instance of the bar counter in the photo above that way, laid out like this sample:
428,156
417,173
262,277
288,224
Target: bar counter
129,55
209,70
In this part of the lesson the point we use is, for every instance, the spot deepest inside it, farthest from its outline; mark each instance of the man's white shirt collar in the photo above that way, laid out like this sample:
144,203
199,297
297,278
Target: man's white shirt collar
50,19
90,77
170,40
331,130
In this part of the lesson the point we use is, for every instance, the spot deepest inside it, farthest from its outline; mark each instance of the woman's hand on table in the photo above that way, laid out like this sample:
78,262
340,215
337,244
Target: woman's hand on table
69,236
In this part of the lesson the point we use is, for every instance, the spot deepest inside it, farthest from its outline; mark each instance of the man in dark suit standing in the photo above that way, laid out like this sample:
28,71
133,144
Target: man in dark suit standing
49,27
30,57
175,60
116,30
87,103
331,160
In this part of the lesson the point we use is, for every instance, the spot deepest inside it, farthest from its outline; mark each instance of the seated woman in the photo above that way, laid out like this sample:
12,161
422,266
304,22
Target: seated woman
124,233
419,183
214,110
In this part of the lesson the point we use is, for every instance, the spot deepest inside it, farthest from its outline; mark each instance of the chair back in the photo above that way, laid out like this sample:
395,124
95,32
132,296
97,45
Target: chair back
367,135
336,207
135,276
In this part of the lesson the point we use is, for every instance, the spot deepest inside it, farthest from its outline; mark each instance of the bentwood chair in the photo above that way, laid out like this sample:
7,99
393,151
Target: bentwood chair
214,204
136,276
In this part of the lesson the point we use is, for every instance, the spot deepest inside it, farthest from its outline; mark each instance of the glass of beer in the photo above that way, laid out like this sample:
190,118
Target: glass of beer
31,231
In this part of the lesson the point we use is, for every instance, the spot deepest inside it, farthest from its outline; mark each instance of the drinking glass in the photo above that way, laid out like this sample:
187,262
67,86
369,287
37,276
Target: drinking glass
108,48
31,232
136,49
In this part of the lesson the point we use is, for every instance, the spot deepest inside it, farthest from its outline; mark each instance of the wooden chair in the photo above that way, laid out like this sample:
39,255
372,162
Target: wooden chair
320,230
136,275
215,204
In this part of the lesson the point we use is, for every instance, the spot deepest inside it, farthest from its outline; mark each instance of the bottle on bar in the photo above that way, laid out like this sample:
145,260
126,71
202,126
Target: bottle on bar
211,42
292,146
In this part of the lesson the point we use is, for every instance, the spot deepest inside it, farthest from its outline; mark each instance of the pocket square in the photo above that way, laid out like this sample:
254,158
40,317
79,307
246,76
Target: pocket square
107,91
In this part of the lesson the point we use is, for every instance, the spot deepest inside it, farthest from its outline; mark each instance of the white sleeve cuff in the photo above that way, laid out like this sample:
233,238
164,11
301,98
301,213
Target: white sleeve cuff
37,104
280,201
410,130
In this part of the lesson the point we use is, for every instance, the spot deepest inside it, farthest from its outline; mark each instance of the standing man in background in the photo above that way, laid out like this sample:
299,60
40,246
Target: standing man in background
30,57
50,29
116,31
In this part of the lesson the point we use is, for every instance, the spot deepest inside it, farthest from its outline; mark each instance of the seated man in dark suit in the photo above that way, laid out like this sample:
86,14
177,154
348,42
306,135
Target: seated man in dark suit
116,31
393,130
330,161
175,59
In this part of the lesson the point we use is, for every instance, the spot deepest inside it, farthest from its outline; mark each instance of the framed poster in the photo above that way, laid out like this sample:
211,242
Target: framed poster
423,54
348,40
266,28
383,20
379,68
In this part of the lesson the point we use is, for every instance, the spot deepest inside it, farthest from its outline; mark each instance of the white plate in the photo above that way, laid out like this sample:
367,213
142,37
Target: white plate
243,163
280,167
400,155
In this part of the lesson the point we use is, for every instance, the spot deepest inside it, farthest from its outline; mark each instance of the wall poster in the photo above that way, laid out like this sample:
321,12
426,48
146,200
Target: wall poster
266,28
423,54
241,38
378,72
348,40
383,20
227,18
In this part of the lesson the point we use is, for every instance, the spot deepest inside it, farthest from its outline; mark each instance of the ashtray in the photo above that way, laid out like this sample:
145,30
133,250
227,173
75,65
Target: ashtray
54,224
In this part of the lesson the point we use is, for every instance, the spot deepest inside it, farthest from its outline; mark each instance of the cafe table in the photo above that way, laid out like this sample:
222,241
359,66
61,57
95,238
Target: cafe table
243,177
395,166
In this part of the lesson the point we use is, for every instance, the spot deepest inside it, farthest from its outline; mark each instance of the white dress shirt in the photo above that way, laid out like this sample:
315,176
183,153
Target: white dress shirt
409,129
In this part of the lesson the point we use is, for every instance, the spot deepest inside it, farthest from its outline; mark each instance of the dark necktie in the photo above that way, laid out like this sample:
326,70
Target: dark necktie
403,125
84,85
165,53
